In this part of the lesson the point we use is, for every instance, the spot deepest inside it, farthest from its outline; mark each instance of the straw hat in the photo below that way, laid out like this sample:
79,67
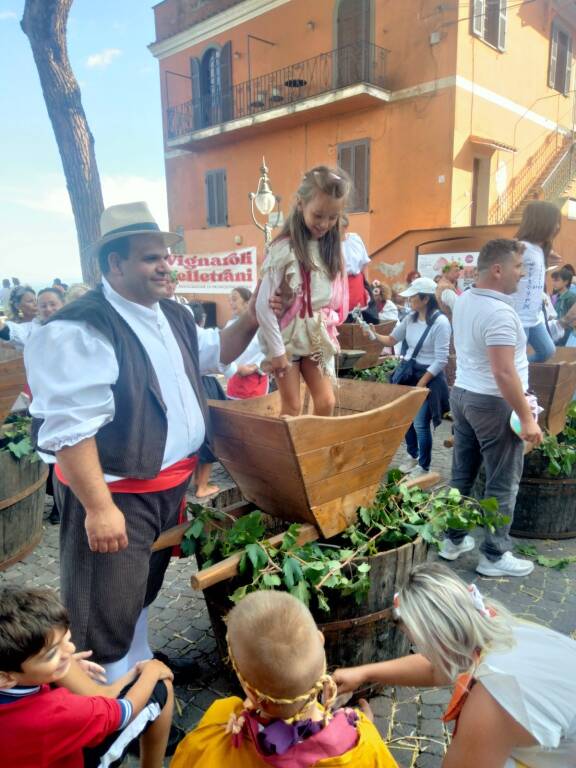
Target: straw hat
130,219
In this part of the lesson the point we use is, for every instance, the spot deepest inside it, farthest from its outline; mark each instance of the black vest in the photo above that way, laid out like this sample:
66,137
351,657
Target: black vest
132,444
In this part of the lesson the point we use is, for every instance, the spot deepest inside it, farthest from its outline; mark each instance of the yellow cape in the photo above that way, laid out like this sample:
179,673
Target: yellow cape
208,745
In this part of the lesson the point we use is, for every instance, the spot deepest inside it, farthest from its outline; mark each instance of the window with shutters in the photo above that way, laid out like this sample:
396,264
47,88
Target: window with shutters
560,67
354,158
212,92
216,198
488,21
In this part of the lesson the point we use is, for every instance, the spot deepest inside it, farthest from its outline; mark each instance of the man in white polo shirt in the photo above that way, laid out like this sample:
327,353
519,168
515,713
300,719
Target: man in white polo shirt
491,382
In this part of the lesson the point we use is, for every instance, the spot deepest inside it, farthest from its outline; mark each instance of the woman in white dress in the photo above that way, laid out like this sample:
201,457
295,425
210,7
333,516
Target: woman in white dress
514,698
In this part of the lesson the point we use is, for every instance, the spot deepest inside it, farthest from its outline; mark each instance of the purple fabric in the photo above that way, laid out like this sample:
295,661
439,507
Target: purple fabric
278,737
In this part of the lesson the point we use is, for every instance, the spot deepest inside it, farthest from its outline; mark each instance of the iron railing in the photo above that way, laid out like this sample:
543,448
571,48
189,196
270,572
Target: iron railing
361,62
506,203
560,176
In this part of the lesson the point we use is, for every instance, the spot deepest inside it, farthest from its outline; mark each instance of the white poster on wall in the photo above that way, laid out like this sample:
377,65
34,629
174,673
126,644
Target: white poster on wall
431,265
215,273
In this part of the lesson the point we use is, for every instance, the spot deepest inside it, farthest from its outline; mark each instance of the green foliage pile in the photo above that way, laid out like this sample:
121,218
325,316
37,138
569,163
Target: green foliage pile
380,373
15,438
318,572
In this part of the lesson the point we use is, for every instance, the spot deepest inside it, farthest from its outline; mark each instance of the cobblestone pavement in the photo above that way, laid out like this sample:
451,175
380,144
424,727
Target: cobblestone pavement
408,719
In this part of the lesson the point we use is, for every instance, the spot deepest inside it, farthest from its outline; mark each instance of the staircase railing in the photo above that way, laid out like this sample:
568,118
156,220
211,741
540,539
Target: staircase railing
520,185
560,175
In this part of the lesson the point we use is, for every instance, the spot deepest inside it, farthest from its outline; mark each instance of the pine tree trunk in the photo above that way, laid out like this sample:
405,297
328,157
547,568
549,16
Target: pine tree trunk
44,23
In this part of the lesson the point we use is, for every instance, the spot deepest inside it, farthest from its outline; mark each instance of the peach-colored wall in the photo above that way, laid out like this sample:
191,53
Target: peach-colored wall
515,99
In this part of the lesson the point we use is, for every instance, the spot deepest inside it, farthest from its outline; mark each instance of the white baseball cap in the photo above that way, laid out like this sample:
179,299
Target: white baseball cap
420,285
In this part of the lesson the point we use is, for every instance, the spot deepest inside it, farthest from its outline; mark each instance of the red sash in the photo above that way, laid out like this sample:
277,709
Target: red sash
358,294
245,387
169,477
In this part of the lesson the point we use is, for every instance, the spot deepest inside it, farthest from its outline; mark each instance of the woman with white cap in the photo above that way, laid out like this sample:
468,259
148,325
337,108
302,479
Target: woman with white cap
514,699
425,336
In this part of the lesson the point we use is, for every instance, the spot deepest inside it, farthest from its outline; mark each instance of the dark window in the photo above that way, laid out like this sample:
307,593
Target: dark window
489,21
560,68
353,36
354,158
212,91
216,199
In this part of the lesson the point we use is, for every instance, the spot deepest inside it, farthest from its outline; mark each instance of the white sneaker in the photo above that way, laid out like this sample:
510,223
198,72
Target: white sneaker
450,551
408,465
507,565
417,472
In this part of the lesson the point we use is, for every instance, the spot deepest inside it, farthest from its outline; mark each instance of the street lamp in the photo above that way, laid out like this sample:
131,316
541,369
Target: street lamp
265,201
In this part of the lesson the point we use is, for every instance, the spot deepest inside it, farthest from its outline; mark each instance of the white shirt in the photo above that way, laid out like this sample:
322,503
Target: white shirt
388,312
355,254
436,346
483,318
527,300
535,682
20,333
71,369
449,298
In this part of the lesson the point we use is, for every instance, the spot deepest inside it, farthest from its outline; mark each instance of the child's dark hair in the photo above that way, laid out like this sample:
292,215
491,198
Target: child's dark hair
56,291
335,183
244,293
28,618
199,312
431,307
564,274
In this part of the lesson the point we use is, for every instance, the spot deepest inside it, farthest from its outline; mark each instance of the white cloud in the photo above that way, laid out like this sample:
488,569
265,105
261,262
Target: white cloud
103,59
8,15
37,232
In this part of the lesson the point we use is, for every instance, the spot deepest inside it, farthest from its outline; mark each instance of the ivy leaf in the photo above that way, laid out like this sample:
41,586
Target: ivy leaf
257,556
238,594
363,568
271,580
195,530
302,592
558,563
292,572
364,515
490,505
322,602
21,448
528,550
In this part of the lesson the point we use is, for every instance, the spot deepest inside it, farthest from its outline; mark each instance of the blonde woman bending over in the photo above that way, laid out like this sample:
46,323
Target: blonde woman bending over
514,699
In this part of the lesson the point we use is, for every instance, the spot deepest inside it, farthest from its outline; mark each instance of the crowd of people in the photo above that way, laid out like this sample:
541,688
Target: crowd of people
121,414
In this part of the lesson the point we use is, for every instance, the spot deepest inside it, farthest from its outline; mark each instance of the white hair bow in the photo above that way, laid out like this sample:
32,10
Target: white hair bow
478,601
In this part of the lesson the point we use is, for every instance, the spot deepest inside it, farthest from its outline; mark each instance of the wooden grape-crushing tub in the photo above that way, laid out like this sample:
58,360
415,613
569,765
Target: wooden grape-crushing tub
351,336
314,469
12,379
21,482
554,384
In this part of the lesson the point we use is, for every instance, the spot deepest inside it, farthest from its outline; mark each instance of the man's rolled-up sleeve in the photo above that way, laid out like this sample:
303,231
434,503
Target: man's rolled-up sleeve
71,369
209,351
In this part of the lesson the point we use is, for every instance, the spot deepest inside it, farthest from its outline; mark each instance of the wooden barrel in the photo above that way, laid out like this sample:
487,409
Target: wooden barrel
351,336
22,491
554,384
545,505
12,379
355,634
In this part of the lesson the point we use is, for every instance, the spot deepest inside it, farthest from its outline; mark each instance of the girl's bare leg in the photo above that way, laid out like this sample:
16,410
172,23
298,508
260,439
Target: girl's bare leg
289,388
202,476
320,387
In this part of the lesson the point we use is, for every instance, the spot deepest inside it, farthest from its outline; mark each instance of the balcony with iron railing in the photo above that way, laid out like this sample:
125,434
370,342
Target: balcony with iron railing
274,95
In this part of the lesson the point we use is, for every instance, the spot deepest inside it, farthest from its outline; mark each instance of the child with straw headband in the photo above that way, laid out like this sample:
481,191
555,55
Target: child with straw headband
305,261
278,655
514,699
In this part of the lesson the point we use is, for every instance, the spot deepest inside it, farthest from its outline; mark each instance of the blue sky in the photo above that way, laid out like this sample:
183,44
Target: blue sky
120,85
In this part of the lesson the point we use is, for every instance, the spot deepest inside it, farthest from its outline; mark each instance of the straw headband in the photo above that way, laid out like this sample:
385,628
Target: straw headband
475,596
323,682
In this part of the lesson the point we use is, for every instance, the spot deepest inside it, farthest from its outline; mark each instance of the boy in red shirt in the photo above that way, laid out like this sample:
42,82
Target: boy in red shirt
52,714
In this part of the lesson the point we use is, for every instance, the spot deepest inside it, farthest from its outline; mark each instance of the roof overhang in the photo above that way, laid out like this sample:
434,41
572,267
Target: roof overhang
491,144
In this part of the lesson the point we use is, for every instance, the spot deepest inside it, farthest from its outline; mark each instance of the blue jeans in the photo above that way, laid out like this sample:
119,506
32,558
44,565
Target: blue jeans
541,342
419,437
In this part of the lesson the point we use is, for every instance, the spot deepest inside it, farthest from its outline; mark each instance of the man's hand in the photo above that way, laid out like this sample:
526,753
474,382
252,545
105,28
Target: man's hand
106,530
530,431
279,366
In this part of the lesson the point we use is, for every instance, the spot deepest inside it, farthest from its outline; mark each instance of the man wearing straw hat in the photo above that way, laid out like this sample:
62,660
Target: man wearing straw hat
118,405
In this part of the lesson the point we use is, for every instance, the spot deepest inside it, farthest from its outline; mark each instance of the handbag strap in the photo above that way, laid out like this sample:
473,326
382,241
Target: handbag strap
421,340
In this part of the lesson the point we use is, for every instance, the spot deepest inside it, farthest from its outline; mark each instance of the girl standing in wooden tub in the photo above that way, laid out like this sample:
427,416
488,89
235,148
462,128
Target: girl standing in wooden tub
305,262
